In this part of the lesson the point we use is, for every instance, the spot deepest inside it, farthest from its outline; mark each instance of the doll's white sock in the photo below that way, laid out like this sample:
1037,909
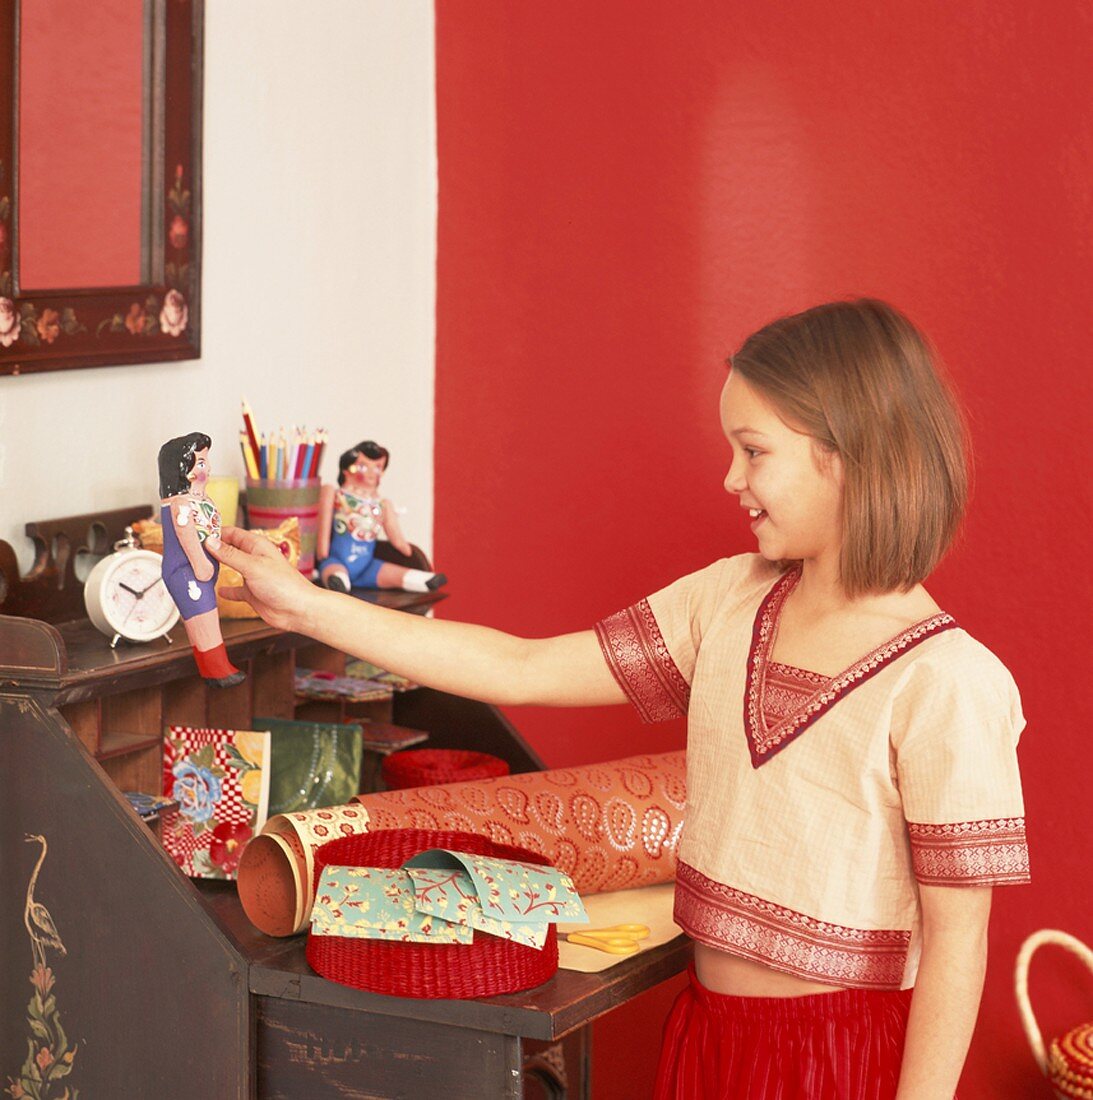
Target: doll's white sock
417,580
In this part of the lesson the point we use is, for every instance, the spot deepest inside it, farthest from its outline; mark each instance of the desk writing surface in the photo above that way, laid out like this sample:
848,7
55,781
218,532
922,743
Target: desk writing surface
569,1000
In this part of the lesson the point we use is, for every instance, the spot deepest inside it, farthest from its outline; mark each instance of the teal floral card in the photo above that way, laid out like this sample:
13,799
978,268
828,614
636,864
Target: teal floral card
451,895
508,890
377,903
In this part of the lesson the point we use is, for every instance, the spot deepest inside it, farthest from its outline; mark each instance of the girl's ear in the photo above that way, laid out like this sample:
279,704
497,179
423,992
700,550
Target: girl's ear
828,460
837,468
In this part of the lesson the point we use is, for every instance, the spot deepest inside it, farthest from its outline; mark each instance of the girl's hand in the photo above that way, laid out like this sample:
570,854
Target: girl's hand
273,587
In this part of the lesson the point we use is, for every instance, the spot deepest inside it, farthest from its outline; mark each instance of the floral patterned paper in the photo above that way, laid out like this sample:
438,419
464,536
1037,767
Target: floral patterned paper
377,903
220,779
511,891
451,895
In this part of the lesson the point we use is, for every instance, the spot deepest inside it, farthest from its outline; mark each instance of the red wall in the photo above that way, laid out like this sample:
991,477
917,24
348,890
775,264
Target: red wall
626,191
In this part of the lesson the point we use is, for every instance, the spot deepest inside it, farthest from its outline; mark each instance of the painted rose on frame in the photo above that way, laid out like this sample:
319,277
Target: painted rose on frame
49,325
179,232
174,315
134,319
10,325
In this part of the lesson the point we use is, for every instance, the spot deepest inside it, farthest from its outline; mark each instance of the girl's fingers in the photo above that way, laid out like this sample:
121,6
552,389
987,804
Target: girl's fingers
224,553
233,592
250,542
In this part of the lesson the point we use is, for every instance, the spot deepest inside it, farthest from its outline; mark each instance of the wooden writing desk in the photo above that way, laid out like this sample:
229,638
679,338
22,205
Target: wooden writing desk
165,989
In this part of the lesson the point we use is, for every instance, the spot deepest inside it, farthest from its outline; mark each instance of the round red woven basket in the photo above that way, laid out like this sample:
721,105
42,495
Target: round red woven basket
487,966
427,767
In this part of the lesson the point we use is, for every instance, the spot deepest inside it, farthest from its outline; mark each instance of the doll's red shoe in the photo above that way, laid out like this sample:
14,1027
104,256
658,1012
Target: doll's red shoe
215,668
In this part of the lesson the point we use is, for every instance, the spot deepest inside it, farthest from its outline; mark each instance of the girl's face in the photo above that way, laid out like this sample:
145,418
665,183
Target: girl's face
792,489
199,474
365,473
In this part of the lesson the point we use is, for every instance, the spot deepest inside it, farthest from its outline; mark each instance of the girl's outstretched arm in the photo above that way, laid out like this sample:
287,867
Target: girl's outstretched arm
461,658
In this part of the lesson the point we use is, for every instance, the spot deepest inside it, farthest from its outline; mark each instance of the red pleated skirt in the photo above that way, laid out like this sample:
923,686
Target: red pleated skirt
846,1045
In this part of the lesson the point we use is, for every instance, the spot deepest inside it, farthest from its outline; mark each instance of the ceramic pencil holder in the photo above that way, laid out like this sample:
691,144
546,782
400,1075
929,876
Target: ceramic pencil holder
270,503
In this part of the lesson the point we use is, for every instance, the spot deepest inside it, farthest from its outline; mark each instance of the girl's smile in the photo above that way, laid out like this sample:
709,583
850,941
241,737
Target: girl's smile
790,488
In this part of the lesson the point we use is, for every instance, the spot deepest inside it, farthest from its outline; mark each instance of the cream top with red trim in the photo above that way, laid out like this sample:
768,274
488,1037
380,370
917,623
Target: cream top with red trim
816,804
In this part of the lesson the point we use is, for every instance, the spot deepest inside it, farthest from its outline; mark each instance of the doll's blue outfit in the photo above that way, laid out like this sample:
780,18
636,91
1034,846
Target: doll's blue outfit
358,523
192,596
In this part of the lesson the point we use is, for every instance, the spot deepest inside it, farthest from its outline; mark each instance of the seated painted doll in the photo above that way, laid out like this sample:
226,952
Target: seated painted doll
352,518
189,572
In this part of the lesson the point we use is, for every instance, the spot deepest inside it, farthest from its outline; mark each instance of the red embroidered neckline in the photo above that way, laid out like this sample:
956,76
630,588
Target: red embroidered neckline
767,739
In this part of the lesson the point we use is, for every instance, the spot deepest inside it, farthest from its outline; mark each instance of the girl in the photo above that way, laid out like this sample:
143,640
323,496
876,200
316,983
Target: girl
852,784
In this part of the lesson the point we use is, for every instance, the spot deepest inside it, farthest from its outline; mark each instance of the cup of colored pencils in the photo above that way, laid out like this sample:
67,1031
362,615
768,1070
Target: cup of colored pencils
283,481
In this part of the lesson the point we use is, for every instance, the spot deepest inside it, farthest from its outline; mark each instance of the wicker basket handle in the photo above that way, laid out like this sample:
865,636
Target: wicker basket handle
1020,978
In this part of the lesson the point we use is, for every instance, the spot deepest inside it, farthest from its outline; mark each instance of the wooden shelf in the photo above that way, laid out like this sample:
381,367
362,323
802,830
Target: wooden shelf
115,743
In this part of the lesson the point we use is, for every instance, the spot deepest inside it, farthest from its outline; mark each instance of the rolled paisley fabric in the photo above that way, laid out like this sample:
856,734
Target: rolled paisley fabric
609,826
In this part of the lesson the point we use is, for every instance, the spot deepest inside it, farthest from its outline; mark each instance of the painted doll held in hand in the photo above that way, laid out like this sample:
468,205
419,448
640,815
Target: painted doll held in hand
351,520
189,517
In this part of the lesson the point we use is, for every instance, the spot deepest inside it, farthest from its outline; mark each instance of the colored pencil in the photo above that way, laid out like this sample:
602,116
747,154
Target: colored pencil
282,456
293,454
248,423
248,457
319,445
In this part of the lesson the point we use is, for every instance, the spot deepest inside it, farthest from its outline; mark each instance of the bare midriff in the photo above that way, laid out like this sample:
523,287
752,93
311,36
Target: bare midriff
721,972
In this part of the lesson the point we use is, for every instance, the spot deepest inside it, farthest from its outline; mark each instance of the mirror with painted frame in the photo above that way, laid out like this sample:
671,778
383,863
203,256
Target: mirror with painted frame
100,182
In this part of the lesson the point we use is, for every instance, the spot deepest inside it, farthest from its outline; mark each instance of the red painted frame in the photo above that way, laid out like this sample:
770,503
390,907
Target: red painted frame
112,326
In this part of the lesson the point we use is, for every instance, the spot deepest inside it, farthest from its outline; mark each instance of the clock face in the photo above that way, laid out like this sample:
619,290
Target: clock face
129,597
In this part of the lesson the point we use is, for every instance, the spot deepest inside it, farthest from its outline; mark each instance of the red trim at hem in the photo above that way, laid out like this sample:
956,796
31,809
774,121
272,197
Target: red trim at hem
784,939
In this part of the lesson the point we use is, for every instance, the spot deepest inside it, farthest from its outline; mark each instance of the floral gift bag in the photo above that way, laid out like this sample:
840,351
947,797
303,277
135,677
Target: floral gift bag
220,779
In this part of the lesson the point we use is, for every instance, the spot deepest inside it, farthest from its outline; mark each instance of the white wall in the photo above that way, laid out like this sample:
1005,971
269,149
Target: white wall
319,272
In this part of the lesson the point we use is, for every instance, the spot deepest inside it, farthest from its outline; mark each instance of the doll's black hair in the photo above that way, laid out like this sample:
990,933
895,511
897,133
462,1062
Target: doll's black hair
176,460
370,449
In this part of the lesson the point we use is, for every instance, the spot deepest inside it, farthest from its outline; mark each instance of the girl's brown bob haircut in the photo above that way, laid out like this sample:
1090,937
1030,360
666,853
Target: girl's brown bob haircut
860,379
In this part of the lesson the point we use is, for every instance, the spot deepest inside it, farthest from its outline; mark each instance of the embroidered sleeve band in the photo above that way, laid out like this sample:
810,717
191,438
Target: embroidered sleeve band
971,853
638,657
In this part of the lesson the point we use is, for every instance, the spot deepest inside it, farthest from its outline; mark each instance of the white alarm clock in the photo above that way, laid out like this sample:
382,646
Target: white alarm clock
125,595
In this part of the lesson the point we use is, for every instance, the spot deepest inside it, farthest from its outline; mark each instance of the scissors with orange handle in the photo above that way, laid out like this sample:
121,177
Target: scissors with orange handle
618,939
